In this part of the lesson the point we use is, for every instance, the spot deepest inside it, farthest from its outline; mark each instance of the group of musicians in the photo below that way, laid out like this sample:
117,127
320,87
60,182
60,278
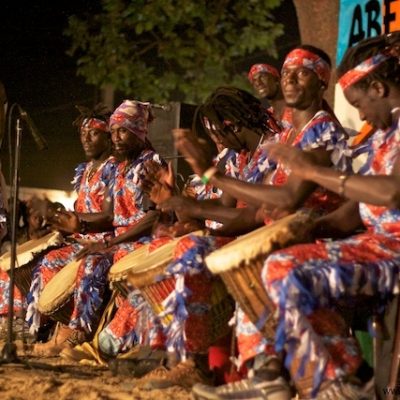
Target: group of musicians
272,162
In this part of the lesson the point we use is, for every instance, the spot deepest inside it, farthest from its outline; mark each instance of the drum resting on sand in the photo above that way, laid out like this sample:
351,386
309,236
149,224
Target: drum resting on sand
55,300
240,262
27,254
156,286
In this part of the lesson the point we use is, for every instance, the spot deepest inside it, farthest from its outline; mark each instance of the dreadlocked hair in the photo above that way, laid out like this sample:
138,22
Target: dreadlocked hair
231,104
387,72
100,111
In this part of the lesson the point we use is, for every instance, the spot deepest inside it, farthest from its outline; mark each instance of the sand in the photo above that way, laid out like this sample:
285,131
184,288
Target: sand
48,379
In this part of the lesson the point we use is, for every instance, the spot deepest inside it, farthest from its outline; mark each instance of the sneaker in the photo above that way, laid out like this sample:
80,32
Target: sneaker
338,390
246,389
184,374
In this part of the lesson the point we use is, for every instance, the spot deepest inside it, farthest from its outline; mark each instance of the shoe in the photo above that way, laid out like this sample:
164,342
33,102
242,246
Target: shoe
246,389
63,337
184,374
338,390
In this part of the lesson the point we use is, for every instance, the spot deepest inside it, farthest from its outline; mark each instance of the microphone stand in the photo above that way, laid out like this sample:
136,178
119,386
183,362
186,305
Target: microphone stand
8,354
9,351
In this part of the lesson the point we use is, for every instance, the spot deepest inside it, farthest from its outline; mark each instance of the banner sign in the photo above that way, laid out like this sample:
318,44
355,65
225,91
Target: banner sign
360,19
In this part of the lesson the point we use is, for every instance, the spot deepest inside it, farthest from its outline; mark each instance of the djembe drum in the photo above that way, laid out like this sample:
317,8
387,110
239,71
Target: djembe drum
206,291
119,271
240,263
27,255
55,301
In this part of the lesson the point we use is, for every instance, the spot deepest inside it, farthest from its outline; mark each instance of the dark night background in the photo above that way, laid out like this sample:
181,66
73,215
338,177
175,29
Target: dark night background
38,75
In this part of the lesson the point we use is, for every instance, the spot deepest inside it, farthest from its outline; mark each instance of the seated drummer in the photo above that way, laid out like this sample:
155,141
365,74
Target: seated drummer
305,76
92,181
128,213
233,107
306,281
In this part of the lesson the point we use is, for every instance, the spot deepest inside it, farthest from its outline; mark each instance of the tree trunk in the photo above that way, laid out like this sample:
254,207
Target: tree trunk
318,25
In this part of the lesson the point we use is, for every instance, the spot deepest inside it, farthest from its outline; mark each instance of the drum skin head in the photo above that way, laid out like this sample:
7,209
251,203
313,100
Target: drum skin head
27,251
119,270
261,241
59,289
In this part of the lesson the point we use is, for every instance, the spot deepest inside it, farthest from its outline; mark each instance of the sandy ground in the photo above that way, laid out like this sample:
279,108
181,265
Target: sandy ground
48,379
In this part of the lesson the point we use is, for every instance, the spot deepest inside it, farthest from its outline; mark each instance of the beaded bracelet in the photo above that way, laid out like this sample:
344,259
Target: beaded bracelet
209,174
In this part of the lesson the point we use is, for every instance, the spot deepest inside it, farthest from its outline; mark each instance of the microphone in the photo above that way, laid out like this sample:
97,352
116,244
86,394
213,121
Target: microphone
37,136
164,107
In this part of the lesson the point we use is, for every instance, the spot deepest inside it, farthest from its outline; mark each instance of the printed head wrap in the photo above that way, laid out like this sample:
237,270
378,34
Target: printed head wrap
359,72
95,123
307,59
264,68
134,116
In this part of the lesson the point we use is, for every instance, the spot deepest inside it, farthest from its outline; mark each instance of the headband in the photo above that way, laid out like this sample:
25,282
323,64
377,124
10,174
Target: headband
134,116
95,123
265,68
362,70
309,60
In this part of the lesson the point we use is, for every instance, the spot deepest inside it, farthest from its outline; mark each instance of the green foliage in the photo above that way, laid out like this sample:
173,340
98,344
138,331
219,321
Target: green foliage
162,50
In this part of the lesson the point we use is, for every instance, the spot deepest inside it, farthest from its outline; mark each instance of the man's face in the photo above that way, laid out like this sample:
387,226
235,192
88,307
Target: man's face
371,105
94,142
125,142
266,85
300,86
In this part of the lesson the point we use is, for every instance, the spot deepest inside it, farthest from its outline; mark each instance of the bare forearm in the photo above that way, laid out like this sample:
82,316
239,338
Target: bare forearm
288,196
142,228
380,190
339,223
250,193
206,210
97,222
244,223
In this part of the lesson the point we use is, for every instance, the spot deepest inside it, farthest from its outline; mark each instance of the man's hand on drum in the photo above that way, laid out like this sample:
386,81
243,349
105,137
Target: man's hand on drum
91,248
65,221
196,153
185,206
297,160
266,213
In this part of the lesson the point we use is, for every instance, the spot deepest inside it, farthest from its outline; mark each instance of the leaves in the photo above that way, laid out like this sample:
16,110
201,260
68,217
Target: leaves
163,50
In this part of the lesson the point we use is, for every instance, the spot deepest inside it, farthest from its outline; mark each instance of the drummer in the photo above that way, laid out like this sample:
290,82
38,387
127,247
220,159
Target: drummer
307,280
92,182
132,219
305,76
